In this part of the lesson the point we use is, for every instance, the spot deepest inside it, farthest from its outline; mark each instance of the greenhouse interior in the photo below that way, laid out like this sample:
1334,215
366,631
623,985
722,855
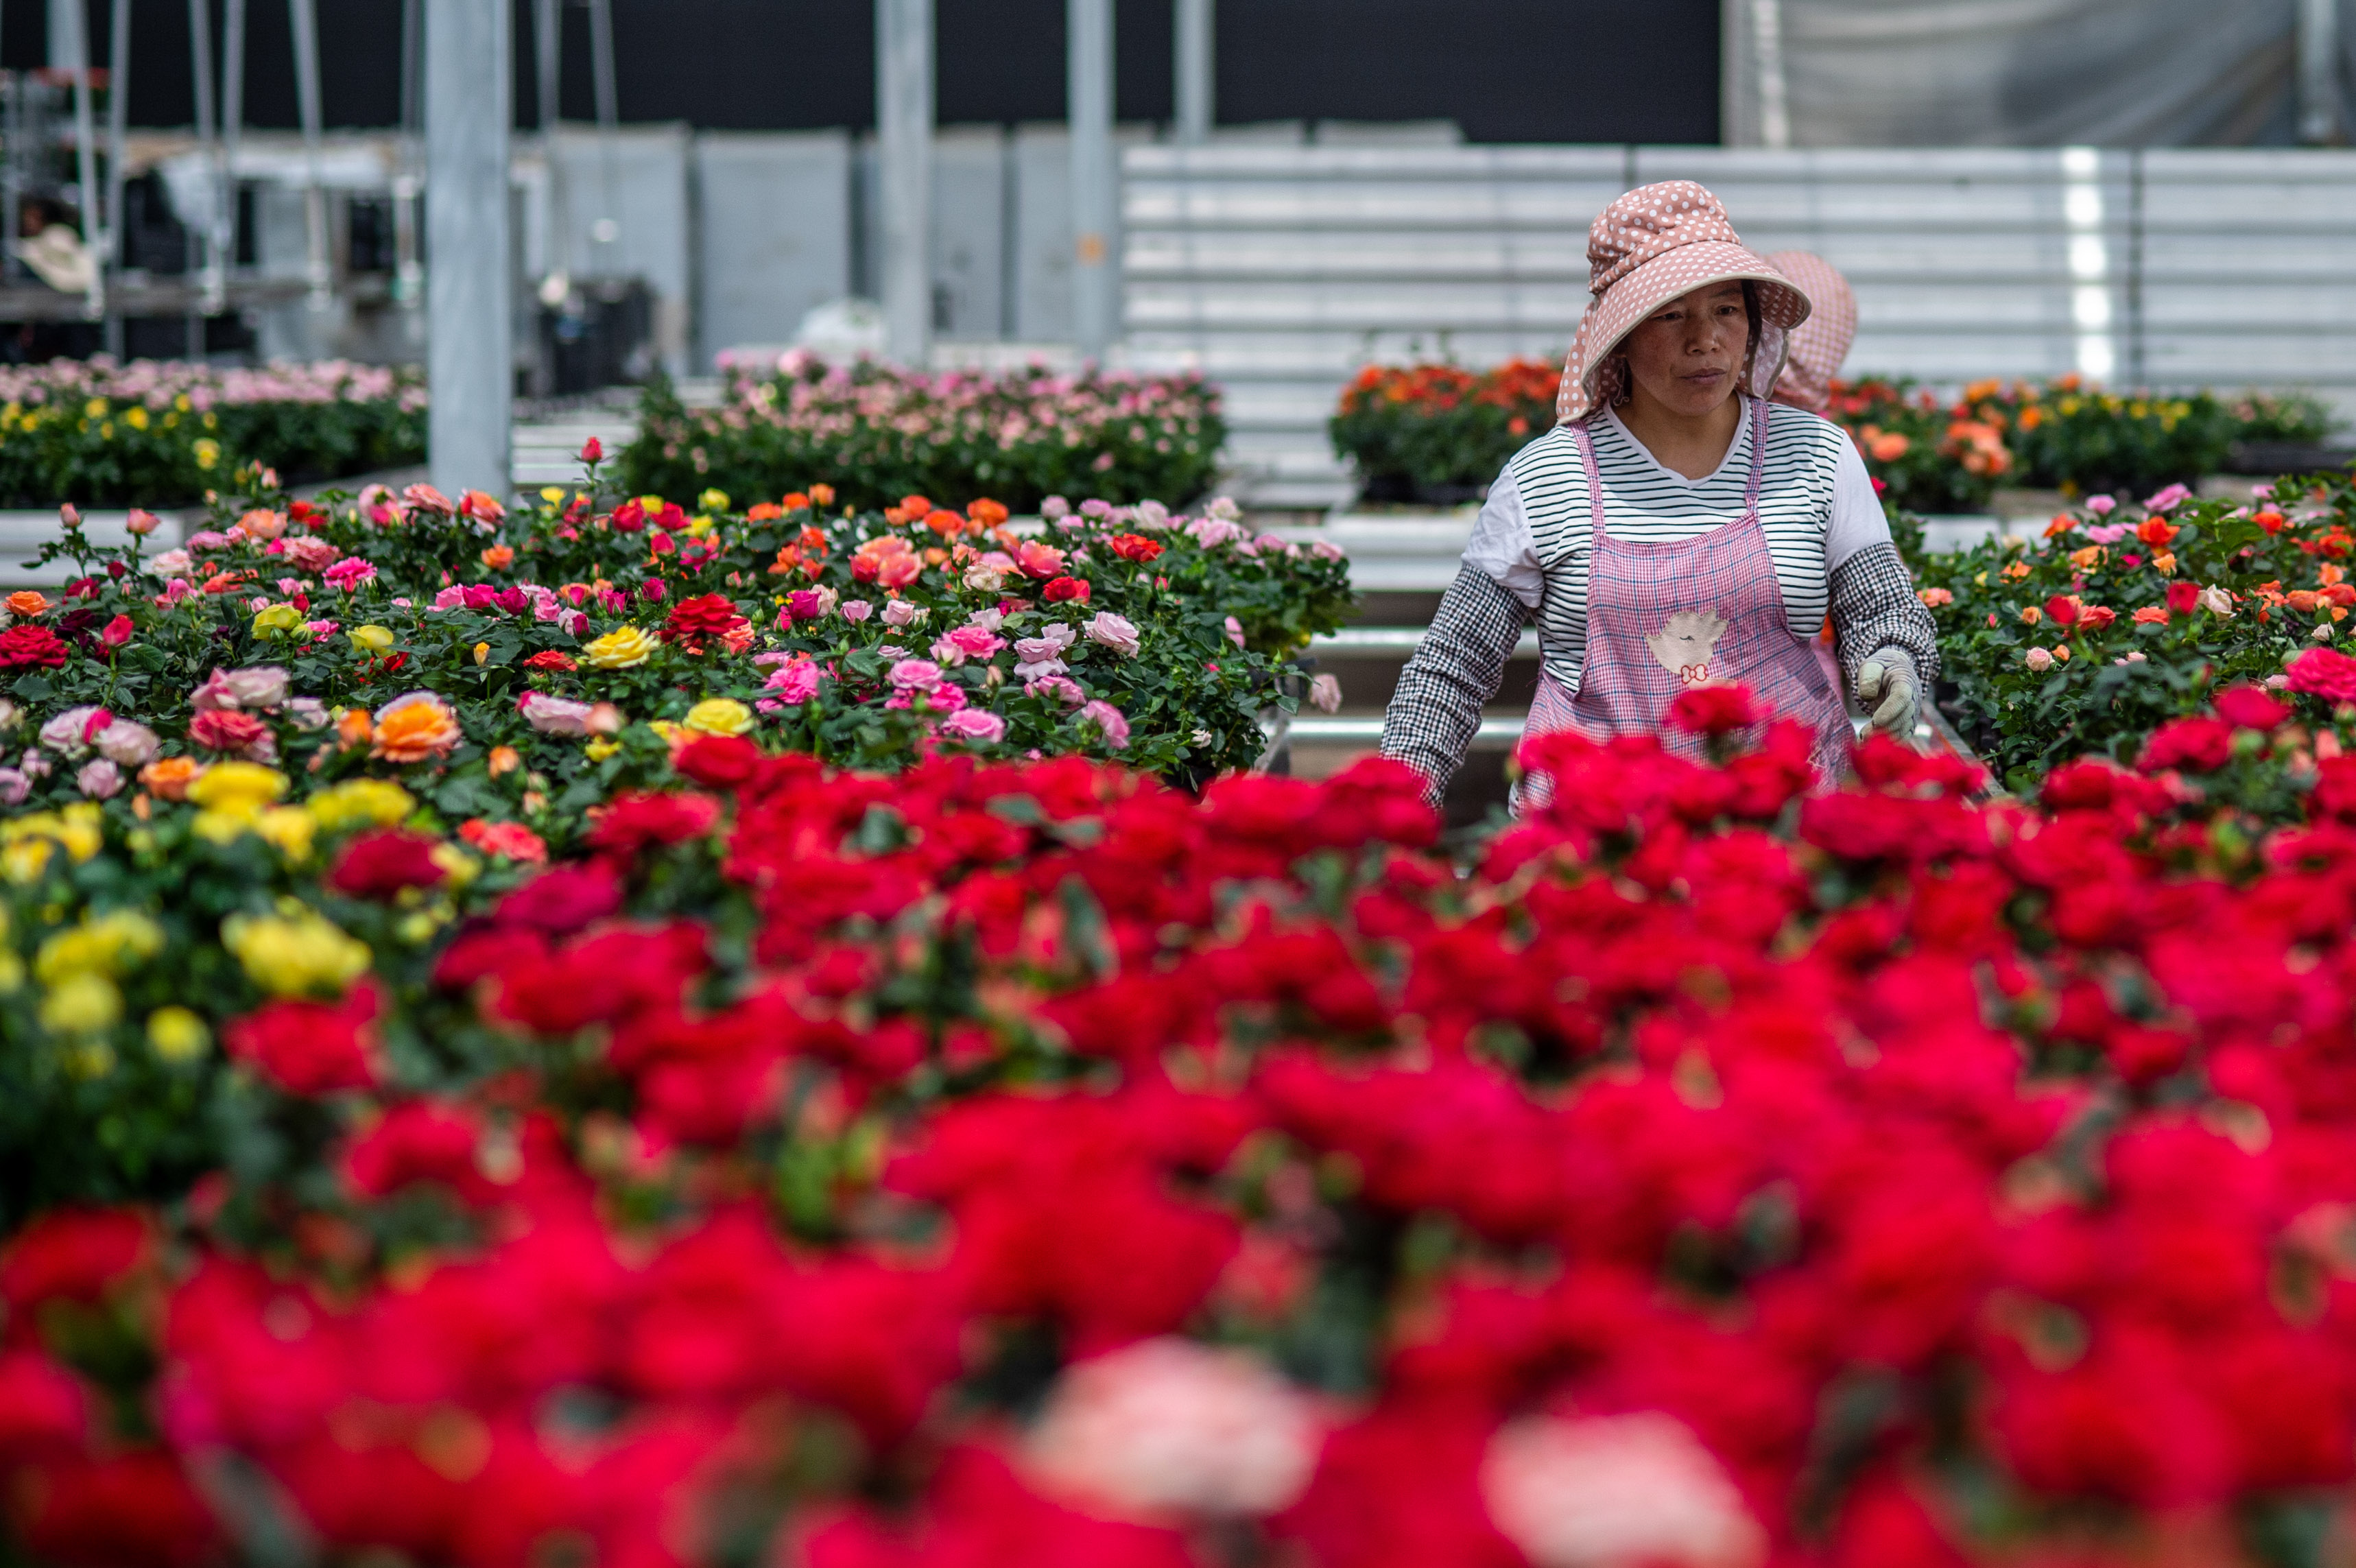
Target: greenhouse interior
836,783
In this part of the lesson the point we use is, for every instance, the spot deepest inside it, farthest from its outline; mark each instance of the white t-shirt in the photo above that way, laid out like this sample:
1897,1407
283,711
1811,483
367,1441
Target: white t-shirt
1816,506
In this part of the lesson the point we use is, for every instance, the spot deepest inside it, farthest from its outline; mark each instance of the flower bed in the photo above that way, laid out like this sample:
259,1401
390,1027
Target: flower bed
1028,1162
1439,433
101,434
1935,456
881,433
516,671
2125,616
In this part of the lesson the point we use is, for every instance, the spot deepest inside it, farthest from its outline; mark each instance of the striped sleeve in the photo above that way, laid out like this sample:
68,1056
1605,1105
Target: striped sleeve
1874,610
1435,710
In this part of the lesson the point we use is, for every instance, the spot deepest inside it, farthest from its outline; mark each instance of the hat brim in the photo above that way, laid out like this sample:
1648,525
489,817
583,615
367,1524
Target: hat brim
1667,277
1680,271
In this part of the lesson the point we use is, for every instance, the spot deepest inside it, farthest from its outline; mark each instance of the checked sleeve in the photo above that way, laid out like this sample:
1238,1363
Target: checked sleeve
1435,710
1874,610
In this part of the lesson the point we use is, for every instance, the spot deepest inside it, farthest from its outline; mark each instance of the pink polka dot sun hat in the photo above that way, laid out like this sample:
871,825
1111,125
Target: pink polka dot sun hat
1820,343
1651,246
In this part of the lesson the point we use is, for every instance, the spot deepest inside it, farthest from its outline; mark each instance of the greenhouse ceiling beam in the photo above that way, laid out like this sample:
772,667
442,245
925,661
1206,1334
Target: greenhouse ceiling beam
470,353
904,140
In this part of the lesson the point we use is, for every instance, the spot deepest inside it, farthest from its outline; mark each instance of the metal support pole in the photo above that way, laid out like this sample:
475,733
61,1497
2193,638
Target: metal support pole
118,104
470,355
608,227
305,16
205,238
1775,97
548,44
225,201
2319,72
408,181
69,50
1096,306
1197,72
903,136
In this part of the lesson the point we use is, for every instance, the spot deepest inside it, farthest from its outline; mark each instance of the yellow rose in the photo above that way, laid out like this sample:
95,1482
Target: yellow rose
672,734
554,495
25,842
277,620
372,638
374,802
711,501
111,943
208,453
289,830
720,716
177,1035
24,860
456,865
12,972
238,791
597,750
80,1004
295,953
620,649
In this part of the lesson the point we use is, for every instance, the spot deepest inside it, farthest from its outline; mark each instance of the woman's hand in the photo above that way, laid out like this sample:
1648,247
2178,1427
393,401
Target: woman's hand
1885,685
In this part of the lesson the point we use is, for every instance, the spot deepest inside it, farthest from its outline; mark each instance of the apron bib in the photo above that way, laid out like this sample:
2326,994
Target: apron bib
1662,618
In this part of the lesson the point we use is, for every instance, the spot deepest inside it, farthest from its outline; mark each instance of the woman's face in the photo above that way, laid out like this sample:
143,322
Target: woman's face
1686,355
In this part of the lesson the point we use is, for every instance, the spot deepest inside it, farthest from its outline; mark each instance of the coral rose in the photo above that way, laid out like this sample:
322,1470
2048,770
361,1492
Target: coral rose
413,727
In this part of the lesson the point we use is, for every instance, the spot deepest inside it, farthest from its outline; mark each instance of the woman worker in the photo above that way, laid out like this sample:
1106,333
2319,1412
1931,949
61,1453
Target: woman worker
1676,528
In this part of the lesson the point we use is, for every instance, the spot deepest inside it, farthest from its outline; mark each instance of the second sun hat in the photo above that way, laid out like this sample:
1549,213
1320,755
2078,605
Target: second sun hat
1654,244
1820,343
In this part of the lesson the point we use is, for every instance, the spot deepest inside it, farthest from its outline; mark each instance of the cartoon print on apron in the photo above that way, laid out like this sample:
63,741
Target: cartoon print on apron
1665,616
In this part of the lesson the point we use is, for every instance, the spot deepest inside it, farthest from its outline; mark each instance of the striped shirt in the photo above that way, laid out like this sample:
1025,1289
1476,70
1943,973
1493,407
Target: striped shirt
1816,506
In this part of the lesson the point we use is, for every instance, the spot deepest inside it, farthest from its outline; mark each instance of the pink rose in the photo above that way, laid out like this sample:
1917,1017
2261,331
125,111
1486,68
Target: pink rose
1107,718
974,723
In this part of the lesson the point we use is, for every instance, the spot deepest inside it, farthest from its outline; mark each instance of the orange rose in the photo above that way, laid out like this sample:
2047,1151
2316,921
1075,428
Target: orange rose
170,776
414,727
500,557
26,602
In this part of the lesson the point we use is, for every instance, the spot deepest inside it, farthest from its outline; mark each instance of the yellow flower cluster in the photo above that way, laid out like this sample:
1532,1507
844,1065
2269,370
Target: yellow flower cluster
295,953
77,969
27,842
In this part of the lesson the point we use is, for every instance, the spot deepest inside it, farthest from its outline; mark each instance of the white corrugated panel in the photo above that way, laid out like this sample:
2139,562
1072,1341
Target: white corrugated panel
1278,270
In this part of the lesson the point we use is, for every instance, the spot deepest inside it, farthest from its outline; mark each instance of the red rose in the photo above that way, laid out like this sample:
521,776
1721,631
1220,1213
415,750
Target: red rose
638,822
421,1141
563,899
1713,710
1135,547
226,729
630,517
2183,598
2323,673
2247,707
705,615
1064,589
309,1047
2062,610
380,864
2201,745
30,645
72,1254
718,761
551,658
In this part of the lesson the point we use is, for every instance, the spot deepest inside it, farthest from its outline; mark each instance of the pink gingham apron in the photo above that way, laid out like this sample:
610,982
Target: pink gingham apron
1692,612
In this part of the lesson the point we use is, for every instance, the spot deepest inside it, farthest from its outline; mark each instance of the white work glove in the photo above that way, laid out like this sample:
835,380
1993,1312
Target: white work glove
1885,689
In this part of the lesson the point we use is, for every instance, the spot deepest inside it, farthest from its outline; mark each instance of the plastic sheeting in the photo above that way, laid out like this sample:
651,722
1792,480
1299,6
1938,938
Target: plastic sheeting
2015,72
